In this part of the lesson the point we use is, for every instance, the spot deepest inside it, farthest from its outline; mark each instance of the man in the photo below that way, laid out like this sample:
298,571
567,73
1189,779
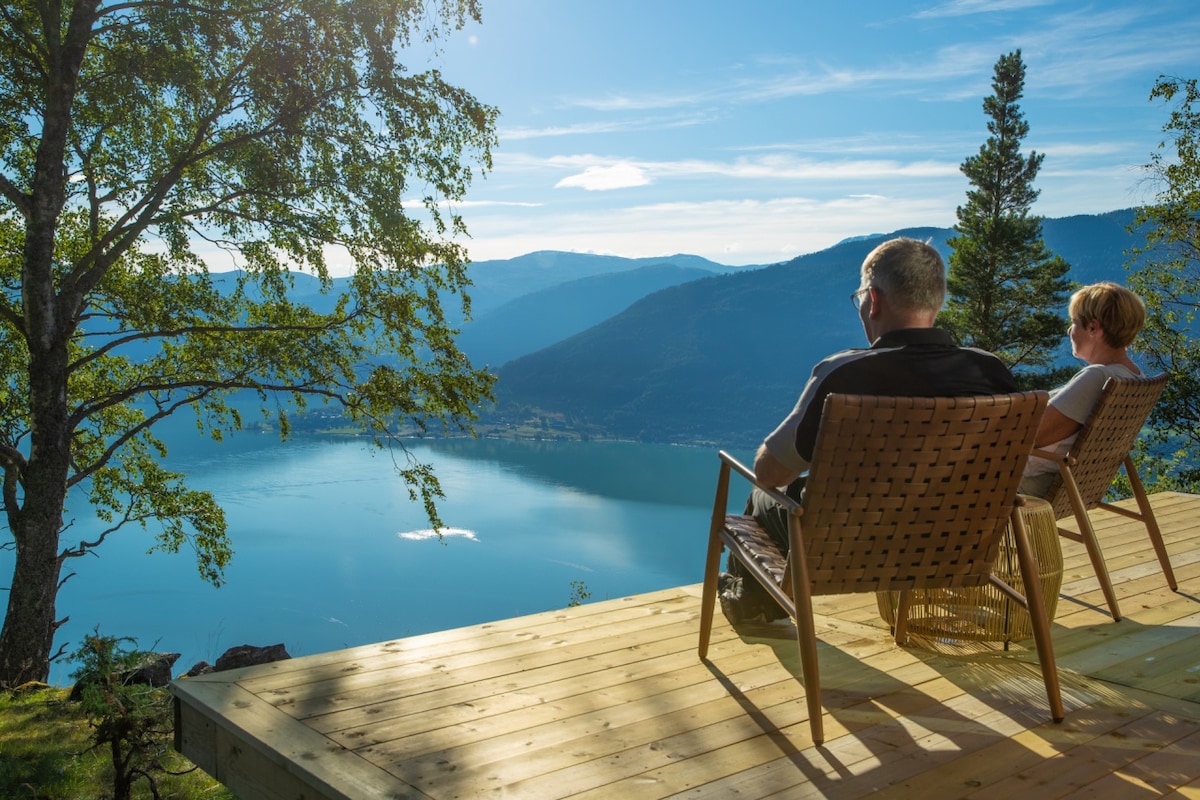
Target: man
901,291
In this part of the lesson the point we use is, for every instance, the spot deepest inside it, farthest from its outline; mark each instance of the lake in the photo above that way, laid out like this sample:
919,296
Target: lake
330,552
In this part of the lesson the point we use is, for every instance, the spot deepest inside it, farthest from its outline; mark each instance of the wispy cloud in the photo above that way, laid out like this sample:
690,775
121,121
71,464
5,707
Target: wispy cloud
731,231
1085,50
878,144
601,173
796,148
962,8
1083,149
1073,50
604,126
485,203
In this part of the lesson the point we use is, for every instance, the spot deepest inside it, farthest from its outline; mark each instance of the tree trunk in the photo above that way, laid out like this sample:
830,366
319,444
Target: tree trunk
28,636
27,639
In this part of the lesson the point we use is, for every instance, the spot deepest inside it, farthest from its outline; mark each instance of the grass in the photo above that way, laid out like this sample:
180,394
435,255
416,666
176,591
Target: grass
45,752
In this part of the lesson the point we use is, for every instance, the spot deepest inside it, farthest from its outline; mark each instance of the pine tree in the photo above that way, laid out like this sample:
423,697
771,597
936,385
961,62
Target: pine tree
1007,291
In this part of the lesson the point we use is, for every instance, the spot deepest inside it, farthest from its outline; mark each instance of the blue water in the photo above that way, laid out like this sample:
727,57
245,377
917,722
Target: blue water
331,552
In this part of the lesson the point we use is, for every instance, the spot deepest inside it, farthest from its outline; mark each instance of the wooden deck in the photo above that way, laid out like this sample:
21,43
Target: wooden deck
609,700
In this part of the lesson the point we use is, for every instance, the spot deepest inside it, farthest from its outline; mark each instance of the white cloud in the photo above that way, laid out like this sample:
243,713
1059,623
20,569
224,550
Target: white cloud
606,178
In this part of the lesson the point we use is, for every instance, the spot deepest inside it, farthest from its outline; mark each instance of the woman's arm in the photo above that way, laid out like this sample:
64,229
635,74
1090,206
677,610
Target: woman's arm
1055,427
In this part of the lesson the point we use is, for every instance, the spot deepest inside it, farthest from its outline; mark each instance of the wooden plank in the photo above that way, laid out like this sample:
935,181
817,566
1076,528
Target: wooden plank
469,642
1152,775
317,694
1147,722
519,715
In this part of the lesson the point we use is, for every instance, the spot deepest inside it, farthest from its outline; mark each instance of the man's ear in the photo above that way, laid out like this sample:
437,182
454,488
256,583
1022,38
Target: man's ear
876,308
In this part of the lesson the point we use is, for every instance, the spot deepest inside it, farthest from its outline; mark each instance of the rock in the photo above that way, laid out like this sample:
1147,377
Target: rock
199,668
154,669
248,655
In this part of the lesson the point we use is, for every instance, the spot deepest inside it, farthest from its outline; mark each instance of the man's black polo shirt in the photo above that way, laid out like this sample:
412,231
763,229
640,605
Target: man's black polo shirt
911,362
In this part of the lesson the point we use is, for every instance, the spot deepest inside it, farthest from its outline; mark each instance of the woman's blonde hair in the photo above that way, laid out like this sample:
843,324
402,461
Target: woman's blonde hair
1120,313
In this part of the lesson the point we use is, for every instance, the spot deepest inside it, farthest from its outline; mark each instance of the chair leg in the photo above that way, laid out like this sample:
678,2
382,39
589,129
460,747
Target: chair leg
1088,534
1151,522
1036,605
712,563
806,631
708,597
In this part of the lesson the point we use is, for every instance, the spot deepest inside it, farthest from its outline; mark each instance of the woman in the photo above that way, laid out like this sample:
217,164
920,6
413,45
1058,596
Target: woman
1105,318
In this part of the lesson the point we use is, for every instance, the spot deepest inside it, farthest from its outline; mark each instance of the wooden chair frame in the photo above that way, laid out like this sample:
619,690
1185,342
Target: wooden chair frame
1087,471
902,494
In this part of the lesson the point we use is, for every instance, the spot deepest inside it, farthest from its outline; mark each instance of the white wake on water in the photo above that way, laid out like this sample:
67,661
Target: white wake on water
429,533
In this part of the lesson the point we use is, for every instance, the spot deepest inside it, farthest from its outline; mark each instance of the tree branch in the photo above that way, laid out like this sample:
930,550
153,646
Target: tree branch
14,195
207,387
216,330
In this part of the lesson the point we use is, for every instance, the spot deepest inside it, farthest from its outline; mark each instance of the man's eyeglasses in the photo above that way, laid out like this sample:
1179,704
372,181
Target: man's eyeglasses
857,297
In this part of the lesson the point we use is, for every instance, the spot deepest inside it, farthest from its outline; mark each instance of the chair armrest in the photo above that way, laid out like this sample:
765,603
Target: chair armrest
748,474
1055,457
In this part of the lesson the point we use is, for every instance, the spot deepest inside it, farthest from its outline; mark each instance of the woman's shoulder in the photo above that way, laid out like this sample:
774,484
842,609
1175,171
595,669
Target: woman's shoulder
1105,371
1076,398
1082,391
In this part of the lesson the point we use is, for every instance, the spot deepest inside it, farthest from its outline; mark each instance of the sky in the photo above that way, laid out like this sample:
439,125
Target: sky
751,132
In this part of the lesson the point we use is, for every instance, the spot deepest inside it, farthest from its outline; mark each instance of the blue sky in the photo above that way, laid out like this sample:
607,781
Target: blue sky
752,132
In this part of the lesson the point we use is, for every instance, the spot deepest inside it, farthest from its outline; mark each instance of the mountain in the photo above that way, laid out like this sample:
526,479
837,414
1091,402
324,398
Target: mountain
724,358
541,318
497,282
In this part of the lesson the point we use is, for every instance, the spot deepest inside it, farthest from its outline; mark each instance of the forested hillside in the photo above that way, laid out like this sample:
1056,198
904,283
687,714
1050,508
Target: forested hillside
722,359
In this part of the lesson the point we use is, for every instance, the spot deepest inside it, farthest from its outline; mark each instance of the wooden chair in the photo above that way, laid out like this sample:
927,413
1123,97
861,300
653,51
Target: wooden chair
1087,471
902,493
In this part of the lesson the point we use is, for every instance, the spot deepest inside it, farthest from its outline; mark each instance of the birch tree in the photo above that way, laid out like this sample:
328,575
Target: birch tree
144,144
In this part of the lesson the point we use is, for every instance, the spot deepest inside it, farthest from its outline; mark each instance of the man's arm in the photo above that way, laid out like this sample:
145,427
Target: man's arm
769,470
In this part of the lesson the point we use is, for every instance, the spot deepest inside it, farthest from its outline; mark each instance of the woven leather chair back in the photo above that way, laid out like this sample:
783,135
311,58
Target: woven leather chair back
908,493
1106,439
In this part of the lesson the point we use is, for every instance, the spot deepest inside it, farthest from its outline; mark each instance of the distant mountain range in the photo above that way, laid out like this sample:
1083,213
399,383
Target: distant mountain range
540,318
682,349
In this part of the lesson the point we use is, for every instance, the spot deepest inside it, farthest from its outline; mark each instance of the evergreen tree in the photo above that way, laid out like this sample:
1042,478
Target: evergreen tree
1007,291
1167,276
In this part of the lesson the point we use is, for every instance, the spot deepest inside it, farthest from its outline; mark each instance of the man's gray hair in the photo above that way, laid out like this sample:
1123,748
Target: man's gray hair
910,273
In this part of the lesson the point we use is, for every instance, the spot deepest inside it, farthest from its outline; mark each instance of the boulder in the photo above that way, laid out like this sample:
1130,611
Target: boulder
154,669
248,655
